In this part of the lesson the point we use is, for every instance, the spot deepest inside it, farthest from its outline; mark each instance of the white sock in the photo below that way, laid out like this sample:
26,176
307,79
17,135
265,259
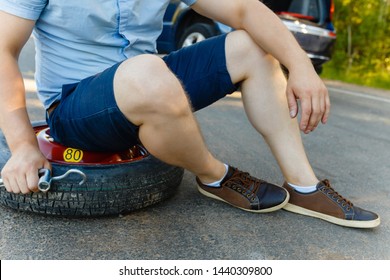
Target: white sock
304,189
218,183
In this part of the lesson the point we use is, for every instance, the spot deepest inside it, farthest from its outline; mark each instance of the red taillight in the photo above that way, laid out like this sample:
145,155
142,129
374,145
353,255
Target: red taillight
296,15
331,12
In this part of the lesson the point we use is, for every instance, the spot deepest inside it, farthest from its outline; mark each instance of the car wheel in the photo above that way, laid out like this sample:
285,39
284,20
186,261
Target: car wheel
196,33
110,188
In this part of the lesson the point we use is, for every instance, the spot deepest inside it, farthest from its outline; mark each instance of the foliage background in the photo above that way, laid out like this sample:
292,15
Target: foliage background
362,50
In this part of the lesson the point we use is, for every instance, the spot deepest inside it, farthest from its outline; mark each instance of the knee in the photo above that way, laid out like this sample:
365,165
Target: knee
242,50
147,86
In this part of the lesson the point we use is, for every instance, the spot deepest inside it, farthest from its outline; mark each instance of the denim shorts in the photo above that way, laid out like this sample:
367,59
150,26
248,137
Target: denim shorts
88,117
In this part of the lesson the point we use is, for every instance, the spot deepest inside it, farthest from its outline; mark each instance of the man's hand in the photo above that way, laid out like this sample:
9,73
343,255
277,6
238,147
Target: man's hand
314,99
20,174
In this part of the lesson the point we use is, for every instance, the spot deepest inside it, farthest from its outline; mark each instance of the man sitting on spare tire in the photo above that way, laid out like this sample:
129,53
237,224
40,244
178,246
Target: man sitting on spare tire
104,90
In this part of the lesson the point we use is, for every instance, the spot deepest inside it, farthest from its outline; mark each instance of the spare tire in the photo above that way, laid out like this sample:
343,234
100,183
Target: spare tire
112,187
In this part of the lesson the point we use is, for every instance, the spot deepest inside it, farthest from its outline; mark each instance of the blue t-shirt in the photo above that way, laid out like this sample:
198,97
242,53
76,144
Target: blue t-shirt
79,38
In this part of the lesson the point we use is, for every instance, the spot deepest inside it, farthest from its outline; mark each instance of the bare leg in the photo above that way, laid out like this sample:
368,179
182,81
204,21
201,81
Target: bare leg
151,97
265,103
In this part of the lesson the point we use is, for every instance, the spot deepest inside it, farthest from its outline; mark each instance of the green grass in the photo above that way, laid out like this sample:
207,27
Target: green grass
363,78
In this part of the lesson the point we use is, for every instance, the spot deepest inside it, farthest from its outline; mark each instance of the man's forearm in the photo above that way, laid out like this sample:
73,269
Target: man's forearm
14,120
277,39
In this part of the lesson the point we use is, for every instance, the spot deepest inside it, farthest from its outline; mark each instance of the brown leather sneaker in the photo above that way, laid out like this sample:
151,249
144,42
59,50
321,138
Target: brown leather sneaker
248,193
325,203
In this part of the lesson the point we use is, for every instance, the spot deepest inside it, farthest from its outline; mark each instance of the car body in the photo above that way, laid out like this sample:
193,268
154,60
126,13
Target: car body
310,21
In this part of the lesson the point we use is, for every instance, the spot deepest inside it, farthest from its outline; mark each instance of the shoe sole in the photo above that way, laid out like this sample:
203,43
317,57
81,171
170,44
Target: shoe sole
271,209
341,222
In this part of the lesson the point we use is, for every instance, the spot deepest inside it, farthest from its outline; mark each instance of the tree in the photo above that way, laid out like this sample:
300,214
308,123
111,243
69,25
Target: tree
363,40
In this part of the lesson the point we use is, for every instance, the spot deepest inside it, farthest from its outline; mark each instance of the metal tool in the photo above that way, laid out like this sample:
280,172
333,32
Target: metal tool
45,178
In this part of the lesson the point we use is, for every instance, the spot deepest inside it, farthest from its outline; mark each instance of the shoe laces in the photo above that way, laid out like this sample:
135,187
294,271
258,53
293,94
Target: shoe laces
244,183
329,191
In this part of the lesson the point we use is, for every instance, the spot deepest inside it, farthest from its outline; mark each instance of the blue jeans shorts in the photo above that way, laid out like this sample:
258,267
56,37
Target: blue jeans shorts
88,117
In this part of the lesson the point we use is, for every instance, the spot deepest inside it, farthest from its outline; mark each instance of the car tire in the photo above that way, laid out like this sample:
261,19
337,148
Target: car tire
196,33
110,189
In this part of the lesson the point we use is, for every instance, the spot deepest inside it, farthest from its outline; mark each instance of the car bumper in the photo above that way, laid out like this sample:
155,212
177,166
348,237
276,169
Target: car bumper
316,41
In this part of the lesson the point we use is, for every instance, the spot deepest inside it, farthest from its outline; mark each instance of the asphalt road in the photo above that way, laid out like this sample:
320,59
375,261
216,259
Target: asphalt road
352,150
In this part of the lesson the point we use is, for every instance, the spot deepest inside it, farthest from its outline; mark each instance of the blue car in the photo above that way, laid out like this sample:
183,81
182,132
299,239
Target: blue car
310,21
